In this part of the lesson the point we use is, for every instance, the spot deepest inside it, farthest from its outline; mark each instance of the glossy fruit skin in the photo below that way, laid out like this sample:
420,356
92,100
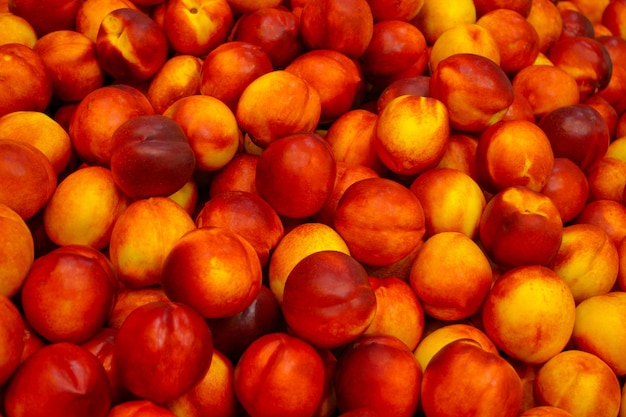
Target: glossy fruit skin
162,349
586,60
518,214
217,78
260,27
122,46
265,108
296,174
357,187
577,132
370,368
60,379
462,82
343,25
328,299
72,274
213,270
399,212
552,313
411,134
25,82
279,374
12,328
151,157
449,374
27,178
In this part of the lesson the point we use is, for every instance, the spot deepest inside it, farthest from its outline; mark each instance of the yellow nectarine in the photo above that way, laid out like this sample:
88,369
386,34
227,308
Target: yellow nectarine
529,313
84,208
17,251
411,134
143,236
451,276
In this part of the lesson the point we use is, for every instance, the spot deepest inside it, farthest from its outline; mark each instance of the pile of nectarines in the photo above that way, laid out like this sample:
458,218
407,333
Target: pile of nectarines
313,208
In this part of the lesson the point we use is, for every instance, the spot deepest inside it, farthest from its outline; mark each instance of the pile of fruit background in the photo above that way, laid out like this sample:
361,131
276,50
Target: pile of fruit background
312,208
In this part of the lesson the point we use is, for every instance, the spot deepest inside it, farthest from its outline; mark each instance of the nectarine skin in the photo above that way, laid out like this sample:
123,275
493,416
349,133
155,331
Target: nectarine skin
18,250
178,77
595,333
26,84
299,242
162,349
546,19
142,236
12,331
593,388
131,47
462,82
546,87
488,383
213,394
395,47
47,17
232,335
567,187
197,28
588,261
448,290
312,208
139,408
399,313
521,227
261,27
218,78
60,379
88,219
151,157
70,58
214,270
352,138
265,109
436,339
586,143
526,325
517,39
98,115
27,178
346,26
44,133
296,174
214,147
511,153
381,220
337,78
79,275
247,214
279,374
373,367
440,191
412,133
586,60
328,299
